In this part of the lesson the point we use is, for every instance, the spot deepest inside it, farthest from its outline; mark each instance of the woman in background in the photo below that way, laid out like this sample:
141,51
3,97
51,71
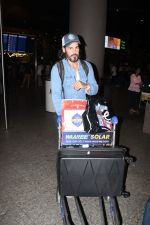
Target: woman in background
134,91
28,76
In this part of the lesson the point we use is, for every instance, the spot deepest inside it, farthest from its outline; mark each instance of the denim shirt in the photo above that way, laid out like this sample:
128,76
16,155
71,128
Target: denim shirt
68,92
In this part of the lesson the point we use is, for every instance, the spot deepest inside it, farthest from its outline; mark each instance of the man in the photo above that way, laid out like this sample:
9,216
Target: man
76,84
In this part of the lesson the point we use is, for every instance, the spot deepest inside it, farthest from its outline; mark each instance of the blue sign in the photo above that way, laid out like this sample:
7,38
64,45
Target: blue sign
79,138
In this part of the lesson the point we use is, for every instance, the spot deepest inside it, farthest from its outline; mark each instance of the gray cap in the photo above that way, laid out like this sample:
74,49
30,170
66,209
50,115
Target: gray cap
69,38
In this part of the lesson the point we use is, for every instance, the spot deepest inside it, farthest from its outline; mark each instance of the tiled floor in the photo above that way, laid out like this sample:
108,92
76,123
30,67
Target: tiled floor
28,152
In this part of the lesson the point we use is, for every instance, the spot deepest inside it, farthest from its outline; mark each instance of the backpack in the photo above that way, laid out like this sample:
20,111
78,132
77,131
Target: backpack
61,71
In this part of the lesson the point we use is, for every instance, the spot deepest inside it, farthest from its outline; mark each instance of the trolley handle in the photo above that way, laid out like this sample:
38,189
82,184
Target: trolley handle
58,119
114,120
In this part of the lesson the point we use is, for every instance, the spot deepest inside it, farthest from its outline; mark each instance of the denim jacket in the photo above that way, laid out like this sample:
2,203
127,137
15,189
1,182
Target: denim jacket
68,92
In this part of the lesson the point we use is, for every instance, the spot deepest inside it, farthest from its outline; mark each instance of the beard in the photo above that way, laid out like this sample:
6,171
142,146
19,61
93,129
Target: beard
73,58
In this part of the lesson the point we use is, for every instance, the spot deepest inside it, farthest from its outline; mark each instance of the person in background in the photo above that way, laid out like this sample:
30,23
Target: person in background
40,68
134,91
28,76
114,74
76,84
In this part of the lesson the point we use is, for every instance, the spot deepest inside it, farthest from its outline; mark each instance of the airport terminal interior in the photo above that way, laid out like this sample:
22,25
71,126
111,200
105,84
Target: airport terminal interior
28,152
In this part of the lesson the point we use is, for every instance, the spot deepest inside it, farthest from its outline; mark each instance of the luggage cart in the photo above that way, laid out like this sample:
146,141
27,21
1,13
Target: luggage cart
145,93
95,171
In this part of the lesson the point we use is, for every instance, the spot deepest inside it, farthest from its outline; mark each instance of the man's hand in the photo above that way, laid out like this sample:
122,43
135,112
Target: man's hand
79,84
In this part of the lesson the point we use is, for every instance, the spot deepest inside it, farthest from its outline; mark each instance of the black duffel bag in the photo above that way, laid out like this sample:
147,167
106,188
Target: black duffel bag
96,117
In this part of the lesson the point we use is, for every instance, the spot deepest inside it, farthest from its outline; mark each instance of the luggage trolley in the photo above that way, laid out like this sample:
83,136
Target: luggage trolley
88,167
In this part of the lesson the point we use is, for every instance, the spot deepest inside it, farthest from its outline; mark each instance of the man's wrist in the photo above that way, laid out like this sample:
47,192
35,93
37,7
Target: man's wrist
87,87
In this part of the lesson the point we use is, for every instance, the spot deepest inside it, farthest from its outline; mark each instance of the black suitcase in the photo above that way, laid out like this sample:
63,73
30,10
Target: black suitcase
92,172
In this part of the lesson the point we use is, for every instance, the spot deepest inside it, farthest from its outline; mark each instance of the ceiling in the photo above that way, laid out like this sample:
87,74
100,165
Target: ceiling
128,17
35,16
123,17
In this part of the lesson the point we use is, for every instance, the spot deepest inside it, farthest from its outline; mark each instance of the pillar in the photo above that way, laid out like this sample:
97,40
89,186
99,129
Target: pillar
88,19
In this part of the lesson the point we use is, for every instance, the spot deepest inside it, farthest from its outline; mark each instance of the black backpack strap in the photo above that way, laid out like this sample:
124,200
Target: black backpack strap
85,66
60,67
61,71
